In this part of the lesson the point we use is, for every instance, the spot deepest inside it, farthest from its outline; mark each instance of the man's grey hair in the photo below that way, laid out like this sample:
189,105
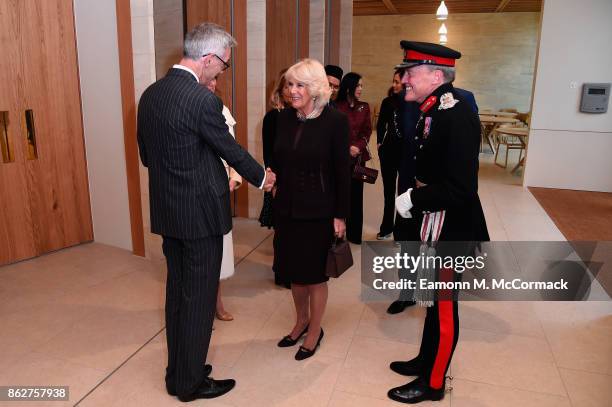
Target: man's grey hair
207,38
448,72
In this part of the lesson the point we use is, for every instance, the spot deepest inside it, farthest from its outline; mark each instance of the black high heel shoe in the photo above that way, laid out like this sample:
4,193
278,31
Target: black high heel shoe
305,353
289,341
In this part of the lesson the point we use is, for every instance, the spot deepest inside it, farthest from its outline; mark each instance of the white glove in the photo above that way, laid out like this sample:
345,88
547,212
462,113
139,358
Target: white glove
403,204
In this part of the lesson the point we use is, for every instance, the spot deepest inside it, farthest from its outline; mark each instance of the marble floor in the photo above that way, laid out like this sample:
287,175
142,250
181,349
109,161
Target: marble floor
91,317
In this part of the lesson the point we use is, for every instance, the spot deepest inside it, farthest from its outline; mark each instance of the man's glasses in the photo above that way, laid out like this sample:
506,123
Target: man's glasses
226,66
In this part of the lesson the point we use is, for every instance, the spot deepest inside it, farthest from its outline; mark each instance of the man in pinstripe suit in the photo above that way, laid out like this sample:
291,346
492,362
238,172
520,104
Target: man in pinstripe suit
182,137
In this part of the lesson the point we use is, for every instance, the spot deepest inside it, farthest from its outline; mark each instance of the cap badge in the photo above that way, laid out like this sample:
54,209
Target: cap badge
447,101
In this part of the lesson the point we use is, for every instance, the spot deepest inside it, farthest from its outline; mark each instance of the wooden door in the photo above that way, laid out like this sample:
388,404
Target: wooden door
49,171
57,172
16,233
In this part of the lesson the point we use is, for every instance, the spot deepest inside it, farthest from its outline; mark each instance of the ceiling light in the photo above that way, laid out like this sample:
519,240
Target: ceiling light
442,12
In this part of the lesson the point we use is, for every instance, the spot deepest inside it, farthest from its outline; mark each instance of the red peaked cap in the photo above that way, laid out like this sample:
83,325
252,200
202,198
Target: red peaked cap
427,53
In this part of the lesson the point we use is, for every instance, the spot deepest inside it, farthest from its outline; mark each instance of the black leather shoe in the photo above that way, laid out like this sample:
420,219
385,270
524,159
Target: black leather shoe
289,341
415,392
398,306
172,391
209,389
305,353
412,367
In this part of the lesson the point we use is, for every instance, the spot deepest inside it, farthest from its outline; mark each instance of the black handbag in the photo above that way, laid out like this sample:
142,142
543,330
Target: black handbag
265,216
339,258
363,173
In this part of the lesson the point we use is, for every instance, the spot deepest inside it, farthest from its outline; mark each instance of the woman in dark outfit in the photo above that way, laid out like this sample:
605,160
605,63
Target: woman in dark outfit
280,99
311,162
388,141
360,132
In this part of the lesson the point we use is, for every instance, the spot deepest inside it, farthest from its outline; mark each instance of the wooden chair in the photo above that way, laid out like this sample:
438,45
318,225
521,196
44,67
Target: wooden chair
511,143
509,110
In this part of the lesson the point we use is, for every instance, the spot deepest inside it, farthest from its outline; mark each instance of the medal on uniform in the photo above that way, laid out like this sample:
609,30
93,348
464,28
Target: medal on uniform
427,127
447,101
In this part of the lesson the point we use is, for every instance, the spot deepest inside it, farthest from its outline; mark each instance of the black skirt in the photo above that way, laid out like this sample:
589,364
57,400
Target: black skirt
300,249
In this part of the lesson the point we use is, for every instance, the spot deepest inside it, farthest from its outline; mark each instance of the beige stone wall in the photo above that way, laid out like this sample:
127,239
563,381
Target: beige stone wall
499,51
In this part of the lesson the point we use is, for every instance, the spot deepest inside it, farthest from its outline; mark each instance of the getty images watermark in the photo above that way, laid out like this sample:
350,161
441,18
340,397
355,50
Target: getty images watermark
521,271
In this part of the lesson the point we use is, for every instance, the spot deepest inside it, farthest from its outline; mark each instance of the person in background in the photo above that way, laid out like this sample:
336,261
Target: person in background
360,131
235,180
388,140
311,158
279,100
334,76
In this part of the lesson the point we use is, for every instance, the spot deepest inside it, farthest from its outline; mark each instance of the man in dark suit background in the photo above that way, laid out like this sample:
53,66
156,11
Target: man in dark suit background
182,137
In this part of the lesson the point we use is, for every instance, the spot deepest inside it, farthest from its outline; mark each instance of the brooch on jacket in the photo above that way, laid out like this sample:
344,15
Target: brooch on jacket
447,101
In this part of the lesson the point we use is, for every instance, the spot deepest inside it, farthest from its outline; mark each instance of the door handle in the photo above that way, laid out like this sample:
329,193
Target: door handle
5,144
30,135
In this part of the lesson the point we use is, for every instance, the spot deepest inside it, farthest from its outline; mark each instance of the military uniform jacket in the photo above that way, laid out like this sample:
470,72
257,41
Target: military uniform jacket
448,140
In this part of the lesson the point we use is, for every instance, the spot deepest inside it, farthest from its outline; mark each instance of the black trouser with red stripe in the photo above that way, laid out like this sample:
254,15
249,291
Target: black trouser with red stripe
440,336
440,333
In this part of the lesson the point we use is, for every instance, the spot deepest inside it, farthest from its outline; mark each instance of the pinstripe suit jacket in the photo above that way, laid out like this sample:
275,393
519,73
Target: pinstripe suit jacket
182,137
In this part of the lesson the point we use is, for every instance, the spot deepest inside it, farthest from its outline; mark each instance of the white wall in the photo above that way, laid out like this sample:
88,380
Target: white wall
316,30
568,149
96,32
256,90
346,34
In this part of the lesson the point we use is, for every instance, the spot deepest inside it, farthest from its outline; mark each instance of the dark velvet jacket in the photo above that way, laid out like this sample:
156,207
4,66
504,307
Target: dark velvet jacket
313,170
360,123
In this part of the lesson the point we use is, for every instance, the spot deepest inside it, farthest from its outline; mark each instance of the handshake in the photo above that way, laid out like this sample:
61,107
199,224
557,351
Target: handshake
269,181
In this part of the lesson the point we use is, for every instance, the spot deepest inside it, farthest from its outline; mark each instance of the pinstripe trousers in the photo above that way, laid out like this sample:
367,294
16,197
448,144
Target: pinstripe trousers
191,293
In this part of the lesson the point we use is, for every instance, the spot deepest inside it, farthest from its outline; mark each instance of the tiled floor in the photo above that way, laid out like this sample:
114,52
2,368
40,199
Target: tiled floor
91,317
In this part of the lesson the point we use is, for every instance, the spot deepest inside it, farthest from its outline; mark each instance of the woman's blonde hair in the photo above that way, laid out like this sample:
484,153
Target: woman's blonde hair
311,73
277,101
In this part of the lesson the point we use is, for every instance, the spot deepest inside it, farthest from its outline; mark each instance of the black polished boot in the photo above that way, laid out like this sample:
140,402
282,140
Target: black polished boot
415,392
412,367
399,306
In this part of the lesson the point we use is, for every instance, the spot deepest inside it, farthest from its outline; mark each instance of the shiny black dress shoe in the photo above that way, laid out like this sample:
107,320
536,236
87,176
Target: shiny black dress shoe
398,306
210,388
305,353
412,367
289,341
172,391
415,392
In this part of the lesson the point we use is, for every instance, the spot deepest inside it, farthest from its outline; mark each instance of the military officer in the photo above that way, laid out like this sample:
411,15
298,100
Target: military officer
444,202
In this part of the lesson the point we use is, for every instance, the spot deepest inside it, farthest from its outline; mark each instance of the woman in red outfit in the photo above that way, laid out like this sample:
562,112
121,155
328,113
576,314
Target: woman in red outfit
360,131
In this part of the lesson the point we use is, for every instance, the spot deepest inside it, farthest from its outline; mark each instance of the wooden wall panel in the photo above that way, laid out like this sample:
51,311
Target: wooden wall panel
333,9
287,36
218,12
231,85
128,105
57,179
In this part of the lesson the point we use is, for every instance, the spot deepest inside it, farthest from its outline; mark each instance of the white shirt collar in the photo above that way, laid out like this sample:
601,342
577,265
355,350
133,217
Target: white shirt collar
184,68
